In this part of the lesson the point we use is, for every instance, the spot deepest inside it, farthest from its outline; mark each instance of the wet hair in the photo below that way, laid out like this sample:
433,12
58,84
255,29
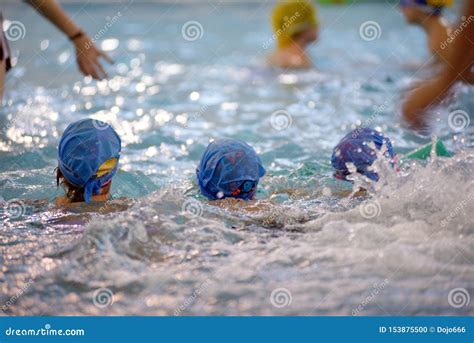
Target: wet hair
73,193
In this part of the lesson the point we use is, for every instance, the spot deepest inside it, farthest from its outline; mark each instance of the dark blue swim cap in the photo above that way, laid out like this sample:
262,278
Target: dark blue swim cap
355,148
88,155
229,168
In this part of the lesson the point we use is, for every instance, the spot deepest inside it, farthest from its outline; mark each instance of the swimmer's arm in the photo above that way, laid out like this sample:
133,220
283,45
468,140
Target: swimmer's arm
421,98
458,68
468,77
52,11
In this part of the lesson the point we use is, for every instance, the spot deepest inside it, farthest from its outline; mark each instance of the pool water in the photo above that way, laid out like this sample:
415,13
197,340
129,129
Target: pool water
159,248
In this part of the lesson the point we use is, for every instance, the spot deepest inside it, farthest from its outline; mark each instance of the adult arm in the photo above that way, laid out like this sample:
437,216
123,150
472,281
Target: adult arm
87,54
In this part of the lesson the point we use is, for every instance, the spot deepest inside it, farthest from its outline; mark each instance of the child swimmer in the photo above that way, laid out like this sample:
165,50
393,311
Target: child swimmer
88,156
460,68
295,26
356,149
229,168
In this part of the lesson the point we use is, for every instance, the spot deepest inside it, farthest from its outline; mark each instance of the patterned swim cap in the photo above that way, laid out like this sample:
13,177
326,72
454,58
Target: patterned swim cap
229,168
88,155
355,148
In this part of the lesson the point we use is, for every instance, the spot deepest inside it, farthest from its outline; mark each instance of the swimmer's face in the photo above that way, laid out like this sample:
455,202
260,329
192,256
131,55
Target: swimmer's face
308,36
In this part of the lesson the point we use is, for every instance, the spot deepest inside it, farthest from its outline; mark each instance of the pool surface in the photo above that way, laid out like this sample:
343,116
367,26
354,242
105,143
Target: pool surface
183,76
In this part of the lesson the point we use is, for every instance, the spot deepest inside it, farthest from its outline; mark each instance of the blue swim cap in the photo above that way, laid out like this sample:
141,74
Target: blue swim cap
88,155
229,168
355,148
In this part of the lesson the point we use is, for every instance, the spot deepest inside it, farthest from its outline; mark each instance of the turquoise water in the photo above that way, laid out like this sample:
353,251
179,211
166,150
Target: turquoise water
159,248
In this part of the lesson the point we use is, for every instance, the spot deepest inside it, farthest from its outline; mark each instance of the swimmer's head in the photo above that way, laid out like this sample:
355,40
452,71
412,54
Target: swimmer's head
294,21
229,168
88,156
416,10
357,148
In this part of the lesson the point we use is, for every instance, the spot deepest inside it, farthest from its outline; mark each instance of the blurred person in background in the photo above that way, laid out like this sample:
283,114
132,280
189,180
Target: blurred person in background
428,14
295,27
459,68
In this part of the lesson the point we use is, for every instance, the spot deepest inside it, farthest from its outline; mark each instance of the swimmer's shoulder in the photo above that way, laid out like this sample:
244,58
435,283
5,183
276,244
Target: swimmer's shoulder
100,203
289,59
63,201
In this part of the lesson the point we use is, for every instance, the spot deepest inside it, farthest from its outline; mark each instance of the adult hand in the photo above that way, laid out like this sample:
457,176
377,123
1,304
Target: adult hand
87,56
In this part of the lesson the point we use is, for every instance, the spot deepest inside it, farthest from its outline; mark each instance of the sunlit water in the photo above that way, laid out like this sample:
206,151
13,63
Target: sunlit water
159,247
